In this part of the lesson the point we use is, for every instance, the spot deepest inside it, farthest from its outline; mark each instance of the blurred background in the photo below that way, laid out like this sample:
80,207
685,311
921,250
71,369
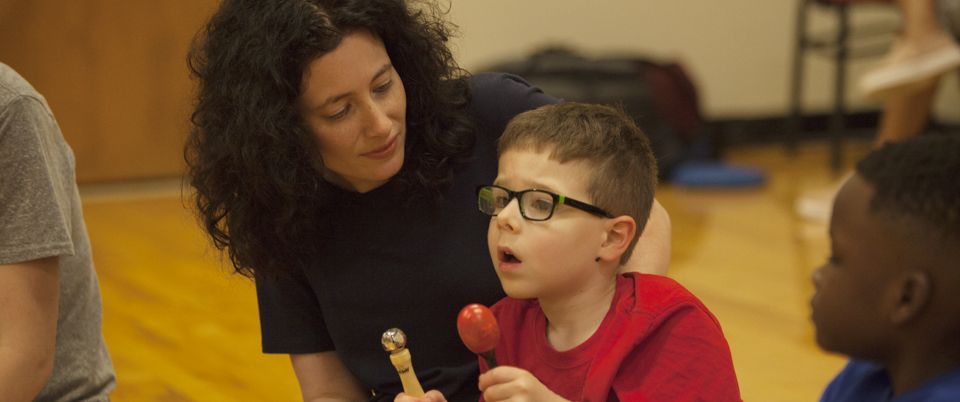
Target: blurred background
180,327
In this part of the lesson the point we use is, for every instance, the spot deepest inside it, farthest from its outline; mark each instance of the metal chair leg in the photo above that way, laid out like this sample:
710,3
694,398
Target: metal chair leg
794,126
837,123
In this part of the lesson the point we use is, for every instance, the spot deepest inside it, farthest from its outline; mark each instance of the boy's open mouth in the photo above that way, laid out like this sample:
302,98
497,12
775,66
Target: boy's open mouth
507,256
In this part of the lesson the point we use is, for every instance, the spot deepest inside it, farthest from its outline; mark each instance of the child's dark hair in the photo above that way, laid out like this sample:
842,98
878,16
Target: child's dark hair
624,171
918,179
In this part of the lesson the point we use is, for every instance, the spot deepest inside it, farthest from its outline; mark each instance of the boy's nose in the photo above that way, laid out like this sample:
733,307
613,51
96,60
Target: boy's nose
817,277
509,217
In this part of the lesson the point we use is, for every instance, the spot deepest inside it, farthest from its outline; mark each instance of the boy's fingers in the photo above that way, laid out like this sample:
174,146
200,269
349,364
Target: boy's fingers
502,391
487,379
497,375
434,396
430,396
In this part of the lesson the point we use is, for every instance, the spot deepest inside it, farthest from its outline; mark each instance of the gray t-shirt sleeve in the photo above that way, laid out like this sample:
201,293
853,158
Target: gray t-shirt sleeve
40,216
34,210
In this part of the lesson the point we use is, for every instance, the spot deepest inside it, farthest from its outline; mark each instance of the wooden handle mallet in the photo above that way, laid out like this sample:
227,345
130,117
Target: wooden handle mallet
395,342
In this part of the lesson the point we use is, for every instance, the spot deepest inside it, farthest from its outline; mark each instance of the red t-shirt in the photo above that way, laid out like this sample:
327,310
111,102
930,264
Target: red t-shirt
657,342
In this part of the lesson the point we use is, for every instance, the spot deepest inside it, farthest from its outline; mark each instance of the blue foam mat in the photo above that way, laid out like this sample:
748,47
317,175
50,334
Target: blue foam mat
716,174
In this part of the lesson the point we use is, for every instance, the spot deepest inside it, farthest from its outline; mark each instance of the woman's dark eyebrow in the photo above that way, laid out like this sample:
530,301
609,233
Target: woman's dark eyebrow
337,97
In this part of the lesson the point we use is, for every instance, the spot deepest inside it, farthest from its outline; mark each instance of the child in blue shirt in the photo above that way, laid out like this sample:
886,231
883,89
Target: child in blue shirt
889,296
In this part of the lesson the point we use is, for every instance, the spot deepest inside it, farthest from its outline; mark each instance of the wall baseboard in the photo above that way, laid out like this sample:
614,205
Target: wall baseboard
726,132
778,128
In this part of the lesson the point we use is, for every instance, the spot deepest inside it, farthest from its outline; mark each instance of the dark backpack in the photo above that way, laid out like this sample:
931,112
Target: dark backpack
659,96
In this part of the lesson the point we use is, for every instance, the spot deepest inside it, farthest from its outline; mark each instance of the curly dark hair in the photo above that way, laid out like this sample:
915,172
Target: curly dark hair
918,179
252,161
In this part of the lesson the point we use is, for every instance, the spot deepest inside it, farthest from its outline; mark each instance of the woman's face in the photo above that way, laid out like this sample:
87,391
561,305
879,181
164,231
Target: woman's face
354,104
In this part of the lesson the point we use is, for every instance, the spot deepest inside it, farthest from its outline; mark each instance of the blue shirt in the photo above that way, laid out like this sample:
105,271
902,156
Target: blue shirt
868,381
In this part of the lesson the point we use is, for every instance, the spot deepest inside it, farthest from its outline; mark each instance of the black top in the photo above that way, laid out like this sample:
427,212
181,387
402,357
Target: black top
412,266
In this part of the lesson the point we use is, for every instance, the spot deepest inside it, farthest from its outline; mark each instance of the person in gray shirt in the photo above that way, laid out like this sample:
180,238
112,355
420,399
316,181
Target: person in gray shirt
51,344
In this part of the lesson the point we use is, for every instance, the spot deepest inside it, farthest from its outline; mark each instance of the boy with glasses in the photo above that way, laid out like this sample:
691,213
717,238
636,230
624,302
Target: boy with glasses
574,187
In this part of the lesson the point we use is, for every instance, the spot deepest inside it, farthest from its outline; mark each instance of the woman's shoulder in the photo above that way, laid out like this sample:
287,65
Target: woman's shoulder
495,86
497,80
501,96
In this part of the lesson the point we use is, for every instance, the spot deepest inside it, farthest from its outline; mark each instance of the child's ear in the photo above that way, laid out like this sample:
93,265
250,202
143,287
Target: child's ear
618,235
911,292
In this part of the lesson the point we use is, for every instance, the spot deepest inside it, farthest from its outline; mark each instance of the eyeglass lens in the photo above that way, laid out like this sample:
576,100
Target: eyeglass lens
535,205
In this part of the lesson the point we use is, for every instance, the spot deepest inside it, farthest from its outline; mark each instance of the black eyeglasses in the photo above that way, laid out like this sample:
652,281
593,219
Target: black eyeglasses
535,205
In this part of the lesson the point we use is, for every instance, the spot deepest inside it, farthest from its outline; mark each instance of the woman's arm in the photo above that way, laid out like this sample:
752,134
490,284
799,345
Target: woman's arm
324,378
652,253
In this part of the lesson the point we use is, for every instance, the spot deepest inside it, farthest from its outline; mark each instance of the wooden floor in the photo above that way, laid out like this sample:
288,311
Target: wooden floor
180,327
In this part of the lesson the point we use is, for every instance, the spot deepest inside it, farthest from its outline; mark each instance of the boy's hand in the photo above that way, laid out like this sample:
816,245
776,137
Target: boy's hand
514,384
429,396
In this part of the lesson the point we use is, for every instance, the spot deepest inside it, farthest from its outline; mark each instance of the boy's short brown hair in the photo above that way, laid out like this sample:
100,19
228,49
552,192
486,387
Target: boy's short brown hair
624,174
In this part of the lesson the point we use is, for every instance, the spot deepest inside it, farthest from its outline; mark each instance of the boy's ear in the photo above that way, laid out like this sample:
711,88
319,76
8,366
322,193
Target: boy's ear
910,294
619,233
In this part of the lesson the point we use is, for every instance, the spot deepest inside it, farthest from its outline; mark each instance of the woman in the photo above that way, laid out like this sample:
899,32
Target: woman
335,150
